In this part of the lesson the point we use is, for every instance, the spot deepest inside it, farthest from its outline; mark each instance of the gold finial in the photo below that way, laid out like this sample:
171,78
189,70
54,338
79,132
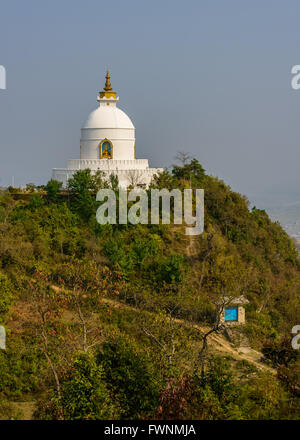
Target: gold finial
108,91
108,86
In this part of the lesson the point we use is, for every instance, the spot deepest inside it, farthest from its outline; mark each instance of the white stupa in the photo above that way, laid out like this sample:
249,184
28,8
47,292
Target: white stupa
108,144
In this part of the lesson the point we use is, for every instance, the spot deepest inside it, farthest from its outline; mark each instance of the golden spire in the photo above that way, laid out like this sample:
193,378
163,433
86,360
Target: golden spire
108,91
108,86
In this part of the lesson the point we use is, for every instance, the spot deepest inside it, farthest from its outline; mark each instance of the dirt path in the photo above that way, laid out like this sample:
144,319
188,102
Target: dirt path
26,409
218,341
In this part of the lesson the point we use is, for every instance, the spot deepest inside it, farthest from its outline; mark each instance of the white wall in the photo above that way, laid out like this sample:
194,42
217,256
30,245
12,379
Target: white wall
123,141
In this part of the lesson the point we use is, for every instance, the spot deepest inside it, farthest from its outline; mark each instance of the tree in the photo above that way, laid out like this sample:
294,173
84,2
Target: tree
87,287
129,375
192,172
53,189
163,179
172,269
225,282
83,187
182,157
84,393
30,187
135,178
46,306
187,399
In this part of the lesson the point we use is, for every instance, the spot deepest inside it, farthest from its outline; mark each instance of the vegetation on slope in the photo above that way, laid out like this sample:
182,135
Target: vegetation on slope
77,356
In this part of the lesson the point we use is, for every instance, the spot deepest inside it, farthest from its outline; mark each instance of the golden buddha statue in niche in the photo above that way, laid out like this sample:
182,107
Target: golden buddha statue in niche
106,150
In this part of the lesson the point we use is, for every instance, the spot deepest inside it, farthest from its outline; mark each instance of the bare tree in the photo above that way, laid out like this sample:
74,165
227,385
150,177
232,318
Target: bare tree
134,177
45,308
90,337
227,286
167,345
76,293
182,157
217,327
44,334
166,333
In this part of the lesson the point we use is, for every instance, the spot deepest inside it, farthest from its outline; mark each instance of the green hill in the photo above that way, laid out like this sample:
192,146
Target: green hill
110,321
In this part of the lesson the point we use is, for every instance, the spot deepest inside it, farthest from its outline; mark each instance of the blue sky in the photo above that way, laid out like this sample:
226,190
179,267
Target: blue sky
208,77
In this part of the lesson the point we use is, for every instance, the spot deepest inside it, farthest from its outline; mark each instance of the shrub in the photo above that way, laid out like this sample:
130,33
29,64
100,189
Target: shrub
130,375
279,352
6,296
171,269
53,189
84,394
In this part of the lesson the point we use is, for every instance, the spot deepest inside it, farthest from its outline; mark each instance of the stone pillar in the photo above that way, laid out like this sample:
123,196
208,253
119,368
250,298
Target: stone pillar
241,315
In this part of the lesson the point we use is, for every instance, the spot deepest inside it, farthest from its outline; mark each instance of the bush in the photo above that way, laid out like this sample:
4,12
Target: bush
130,376
219,377
84,394
290,377
6,296
53,189
263,398
171,269
279,352
188,399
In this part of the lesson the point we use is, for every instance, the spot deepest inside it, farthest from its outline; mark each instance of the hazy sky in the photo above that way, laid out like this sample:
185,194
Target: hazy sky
208,77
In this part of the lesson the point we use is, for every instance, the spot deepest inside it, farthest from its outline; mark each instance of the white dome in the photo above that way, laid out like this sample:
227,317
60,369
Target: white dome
107,144
108,117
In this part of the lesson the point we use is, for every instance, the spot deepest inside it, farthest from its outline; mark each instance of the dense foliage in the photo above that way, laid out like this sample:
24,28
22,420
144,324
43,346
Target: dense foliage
108,321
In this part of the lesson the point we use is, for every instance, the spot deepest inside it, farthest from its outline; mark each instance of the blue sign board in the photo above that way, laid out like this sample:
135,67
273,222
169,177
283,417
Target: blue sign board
231,314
